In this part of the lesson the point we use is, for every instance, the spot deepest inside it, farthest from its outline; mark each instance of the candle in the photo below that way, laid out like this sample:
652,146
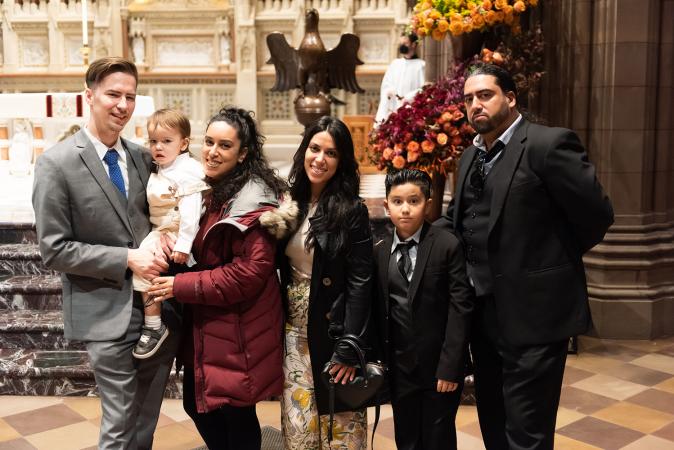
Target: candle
85,31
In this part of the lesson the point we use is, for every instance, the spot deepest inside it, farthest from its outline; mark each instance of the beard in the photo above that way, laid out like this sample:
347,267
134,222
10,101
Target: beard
491,123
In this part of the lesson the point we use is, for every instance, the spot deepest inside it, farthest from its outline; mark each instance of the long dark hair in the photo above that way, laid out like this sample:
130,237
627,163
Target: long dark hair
340,195
254,164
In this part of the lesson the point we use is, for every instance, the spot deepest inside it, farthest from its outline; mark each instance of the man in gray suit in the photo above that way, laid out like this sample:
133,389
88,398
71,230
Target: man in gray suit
91,214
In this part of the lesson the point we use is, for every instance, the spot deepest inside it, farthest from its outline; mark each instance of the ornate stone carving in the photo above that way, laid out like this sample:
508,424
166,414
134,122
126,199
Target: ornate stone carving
375,48
225,40
247,49
184,52
34,51
73,55
277,105
218,99
137,34
181,100
102,42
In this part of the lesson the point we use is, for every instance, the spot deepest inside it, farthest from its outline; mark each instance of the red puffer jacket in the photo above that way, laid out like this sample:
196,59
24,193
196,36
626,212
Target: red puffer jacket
234,303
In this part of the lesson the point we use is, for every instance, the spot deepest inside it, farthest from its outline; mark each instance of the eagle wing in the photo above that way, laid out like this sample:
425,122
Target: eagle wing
284,58
342,62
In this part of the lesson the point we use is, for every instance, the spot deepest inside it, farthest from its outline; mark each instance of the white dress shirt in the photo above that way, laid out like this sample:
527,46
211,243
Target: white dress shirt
102,149
416,237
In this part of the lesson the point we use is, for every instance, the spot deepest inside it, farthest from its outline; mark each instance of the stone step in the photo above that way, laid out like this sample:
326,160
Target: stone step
61,373
17,233
36,292
21,259
34,330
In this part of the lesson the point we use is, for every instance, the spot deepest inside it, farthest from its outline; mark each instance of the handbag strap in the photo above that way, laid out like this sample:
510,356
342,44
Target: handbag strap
353,342
331,405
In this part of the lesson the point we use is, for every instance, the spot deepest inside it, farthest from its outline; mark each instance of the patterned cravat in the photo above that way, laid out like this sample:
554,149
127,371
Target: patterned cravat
405,261
110,159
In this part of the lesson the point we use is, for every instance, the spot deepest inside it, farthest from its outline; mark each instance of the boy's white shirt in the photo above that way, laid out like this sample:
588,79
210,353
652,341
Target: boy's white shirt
416,237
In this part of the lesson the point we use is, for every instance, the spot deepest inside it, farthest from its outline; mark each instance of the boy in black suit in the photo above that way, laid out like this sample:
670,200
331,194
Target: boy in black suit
423,311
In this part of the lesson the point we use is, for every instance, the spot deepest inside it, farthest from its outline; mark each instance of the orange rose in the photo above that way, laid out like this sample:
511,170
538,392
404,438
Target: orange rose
456,17
442,138
428,23
412,146
491,17
519,6
398,162
478,21
427,147
456,28
458,115
388,153
446,116
500,4
435,14
398,148
412,156
467,27
486,5
533,2
438,35
443,25
421,32
509,19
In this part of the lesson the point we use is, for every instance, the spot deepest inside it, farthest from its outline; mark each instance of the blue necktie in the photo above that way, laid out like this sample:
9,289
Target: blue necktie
114,170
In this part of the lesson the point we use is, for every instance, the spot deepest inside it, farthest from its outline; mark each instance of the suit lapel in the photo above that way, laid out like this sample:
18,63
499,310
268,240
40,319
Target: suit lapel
95,166
464,164
506,170
384,253
427,235
137,163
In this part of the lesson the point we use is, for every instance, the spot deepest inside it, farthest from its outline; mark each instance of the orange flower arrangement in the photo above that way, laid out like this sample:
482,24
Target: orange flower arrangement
436,18
429,133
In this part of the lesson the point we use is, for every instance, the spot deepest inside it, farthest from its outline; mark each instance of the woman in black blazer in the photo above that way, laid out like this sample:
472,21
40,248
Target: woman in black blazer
326,270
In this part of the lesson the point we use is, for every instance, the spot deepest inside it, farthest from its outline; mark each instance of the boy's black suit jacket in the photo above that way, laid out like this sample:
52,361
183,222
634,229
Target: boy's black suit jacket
441,301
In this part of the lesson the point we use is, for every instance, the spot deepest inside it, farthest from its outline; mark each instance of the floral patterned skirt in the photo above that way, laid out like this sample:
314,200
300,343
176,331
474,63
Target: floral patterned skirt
299,413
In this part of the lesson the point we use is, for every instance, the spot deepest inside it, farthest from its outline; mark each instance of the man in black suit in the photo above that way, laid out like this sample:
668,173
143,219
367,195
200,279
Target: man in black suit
527,207
423,312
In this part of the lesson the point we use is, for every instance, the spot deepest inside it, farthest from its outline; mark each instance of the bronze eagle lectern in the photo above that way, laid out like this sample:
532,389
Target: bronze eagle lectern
313,69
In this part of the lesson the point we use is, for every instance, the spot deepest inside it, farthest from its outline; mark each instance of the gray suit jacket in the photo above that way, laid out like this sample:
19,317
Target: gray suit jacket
85,227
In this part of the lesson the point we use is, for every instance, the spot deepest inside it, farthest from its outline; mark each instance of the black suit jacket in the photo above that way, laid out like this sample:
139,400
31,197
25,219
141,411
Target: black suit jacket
441,300
547,210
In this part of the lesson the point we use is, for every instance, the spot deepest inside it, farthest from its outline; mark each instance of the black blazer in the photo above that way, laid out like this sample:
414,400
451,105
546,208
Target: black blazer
547,210
441,301
340,297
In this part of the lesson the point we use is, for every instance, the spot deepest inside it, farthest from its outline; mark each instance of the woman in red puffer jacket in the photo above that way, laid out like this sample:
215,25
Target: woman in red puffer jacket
232,345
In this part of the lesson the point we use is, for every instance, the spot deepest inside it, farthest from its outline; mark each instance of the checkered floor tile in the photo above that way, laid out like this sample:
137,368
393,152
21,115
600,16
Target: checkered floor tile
616,395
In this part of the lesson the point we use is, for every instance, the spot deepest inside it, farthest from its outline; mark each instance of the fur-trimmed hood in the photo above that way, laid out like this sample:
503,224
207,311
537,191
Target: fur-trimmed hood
281,221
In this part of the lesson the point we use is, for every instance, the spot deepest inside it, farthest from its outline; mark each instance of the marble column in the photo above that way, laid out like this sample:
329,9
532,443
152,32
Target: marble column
609,77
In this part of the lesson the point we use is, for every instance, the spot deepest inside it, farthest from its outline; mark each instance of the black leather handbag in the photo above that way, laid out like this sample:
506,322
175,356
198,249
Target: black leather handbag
363,390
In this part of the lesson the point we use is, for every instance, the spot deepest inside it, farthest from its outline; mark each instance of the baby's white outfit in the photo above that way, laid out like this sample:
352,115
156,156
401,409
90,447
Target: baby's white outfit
174,197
